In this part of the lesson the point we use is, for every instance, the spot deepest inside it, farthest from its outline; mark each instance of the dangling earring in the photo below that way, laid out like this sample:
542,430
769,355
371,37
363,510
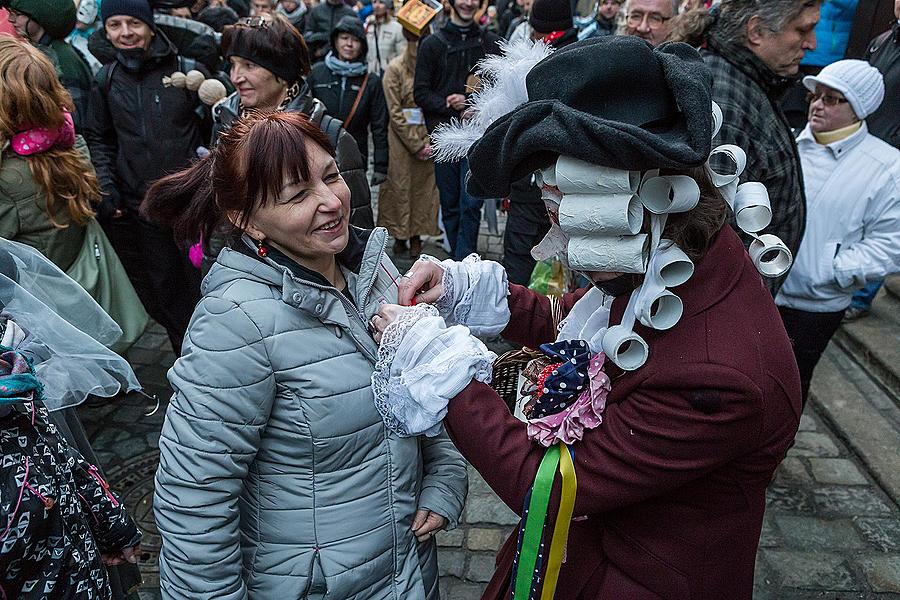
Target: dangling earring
261,248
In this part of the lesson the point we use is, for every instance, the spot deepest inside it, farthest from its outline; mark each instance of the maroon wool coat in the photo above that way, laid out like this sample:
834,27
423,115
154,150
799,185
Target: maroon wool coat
671,486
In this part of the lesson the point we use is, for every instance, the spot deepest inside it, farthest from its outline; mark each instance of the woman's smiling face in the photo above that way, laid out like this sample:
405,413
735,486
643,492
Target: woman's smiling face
309,219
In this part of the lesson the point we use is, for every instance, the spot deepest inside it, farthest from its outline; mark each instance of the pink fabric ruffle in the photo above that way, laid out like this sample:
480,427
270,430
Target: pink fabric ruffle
568,426
35,140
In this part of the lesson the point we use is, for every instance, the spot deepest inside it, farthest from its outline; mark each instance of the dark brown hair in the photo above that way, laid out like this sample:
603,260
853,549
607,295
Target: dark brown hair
694,230
270,41
245,170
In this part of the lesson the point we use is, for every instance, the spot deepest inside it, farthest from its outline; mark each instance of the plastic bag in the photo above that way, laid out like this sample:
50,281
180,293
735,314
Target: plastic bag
549,277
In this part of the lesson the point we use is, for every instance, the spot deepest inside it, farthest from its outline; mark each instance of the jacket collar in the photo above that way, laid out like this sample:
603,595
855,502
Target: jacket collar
752,66
838,148
229,108
160,49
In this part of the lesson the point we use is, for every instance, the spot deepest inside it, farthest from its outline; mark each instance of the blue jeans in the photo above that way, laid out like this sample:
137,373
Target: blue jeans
460,212
862,299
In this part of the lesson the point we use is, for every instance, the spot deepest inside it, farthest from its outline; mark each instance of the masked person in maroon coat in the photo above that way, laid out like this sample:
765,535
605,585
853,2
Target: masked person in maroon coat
687,398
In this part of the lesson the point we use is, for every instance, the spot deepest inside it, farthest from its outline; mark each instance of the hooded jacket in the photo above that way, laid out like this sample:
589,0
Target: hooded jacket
338,93
278,479
137,129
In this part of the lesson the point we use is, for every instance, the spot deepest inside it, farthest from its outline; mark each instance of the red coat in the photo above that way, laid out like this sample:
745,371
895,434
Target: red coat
671,486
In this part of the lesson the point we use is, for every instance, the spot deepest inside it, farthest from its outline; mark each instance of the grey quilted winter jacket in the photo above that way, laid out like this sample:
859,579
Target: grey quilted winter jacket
277,479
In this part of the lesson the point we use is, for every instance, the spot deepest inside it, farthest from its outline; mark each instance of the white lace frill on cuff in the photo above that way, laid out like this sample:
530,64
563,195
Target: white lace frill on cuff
475,294
422,364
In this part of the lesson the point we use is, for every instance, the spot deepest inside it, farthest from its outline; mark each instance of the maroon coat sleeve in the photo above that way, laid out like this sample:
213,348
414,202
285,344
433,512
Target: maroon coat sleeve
531,323
650,442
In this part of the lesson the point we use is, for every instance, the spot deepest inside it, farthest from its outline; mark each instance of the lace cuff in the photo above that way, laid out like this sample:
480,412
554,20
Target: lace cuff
422,364
475,293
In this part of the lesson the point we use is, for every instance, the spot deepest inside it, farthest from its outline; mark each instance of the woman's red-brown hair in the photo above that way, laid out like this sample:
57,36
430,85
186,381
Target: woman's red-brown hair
246,169
32,96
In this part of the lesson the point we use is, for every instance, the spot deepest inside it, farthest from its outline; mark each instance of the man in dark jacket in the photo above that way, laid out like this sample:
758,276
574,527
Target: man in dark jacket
527,221
353,95
753,53
884,123
884,55
46,23
139,130
444,64
320,22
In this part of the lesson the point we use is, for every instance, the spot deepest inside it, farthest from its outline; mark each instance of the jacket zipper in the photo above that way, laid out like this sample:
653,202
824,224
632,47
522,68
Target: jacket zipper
365,297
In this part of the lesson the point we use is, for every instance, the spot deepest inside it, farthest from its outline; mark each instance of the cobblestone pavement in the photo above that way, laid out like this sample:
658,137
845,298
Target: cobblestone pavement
830,531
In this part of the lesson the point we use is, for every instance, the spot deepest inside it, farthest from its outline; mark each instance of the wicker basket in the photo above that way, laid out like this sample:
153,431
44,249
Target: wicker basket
507,367
506,374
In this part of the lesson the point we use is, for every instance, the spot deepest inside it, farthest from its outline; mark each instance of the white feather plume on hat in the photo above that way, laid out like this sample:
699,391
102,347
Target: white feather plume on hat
503,90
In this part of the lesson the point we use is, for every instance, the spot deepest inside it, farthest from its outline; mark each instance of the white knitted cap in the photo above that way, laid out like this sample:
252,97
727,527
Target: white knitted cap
860,83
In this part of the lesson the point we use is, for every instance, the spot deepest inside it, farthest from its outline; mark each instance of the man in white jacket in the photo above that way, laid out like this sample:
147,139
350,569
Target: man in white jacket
852,182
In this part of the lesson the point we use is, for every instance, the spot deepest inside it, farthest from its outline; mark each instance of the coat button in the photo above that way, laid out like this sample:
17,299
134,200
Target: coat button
319,309
297,297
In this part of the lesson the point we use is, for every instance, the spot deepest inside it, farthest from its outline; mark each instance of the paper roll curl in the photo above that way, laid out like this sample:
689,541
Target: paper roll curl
575,176
611,254
736,154
661,311
608,214
752,209
718,119
625,348
670,194
670,265
770,256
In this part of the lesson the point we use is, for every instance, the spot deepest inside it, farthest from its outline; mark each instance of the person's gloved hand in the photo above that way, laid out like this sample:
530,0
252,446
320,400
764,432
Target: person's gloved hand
378,178
108,209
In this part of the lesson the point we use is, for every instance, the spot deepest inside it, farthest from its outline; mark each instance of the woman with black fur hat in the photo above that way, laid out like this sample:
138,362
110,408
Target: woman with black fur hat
665,411
352,94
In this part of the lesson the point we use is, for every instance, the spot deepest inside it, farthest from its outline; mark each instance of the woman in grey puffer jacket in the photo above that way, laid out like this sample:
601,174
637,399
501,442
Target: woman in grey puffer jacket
277,478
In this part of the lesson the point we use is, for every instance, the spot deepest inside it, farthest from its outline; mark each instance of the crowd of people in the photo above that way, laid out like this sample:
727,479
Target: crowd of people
699,171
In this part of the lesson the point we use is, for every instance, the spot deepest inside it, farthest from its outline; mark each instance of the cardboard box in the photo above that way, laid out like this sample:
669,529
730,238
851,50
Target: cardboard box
415,15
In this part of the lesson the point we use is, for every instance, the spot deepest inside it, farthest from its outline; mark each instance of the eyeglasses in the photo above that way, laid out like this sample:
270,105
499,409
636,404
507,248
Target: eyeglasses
654,20
825,98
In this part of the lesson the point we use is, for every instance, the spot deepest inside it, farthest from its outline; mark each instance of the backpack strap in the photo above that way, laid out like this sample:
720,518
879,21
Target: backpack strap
104,78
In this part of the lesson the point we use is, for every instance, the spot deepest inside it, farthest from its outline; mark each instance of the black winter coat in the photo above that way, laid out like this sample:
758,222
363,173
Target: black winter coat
338,95
137,129
445,60
884,54
320,21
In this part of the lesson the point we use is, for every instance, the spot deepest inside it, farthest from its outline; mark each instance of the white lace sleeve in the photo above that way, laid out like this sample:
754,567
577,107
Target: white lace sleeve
475,295
422,364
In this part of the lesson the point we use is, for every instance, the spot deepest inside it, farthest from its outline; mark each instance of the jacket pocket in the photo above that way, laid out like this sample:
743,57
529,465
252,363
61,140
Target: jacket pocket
824,276
640,564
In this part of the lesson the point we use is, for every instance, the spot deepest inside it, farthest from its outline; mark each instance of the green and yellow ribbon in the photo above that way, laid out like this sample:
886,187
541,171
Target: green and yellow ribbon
555,458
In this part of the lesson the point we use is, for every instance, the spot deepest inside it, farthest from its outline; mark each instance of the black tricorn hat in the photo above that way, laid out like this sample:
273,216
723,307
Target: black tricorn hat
613,101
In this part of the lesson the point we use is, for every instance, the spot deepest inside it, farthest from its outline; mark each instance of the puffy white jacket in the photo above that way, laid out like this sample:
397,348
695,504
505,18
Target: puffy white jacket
852,221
